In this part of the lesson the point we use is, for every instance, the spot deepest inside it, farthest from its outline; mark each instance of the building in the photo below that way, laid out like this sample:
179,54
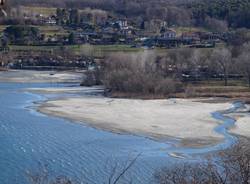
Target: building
167,42
51,20
123,24
169,34
190,38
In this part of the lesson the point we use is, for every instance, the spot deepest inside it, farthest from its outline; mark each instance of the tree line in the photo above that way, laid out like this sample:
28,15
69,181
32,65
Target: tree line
151,74
235,12
213,14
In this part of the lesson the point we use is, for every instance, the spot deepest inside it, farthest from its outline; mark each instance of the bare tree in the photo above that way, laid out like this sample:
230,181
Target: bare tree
222,62
226,167
216,25
117,174
43,175
182,60
243,62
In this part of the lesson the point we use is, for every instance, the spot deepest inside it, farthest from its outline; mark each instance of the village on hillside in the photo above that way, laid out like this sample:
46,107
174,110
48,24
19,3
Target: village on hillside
98,27
125,91
47,38
50,32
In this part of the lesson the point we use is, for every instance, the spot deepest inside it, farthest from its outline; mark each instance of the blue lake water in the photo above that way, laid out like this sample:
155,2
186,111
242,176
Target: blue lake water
29,140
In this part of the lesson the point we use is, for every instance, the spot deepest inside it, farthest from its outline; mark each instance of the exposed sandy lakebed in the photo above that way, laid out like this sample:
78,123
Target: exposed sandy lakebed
33,76
187,120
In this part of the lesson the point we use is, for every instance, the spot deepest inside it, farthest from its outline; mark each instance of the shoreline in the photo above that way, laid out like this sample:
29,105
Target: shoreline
189,121
160,120
36,76
188,143
199,137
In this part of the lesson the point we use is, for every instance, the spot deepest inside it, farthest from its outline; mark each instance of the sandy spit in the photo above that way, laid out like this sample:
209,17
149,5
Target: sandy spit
187,120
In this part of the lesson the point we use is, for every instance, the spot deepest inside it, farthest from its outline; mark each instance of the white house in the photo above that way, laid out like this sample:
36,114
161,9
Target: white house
169,34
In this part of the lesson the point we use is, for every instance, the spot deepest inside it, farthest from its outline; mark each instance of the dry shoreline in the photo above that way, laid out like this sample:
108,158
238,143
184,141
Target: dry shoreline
33,76
155,119
187,120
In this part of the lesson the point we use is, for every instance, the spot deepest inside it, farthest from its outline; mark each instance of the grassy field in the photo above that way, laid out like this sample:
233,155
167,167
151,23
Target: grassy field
32,48
86,49
102,50
52,30
94,50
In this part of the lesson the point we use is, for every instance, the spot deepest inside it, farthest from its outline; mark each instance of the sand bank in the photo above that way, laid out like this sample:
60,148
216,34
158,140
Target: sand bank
29,76
69,90
242,127
187,120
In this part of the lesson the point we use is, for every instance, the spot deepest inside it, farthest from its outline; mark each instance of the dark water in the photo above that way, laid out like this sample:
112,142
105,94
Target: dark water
29,139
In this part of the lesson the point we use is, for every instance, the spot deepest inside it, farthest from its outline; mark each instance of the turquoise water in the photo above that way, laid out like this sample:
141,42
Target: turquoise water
29,139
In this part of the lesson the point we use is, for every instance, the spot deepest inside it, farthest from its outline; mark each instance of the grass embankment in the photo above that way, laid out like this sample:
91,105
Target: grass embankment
86,49
102,50
20,48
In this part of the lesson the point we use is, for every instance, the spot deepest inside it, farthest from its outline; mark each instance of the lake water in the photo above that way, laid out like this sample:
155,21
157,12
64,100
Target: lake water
30,140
